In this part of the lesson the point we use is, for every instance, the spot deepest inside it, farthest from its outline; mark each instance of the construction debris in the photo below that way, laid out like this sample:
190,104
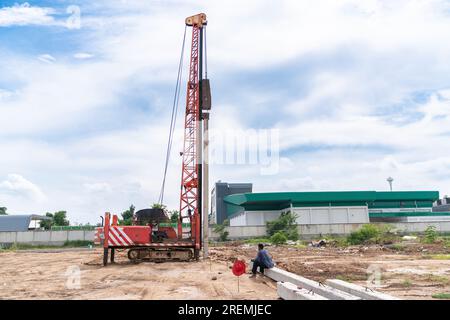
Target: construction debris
408,238
318,244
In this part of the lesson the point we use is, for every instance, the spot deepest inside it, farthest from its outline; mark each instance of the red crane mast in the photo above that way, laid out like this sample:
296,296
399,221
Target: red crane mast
190,193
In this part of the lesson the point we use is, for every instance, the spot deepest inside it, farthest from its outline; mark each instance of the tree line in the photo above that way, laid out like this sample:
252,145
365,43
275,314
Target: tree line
59,218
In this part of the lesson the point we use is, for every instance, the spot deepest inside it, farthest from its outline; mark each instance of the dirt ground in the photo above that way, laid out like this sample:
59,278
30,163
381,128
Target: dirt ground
48,275
414,272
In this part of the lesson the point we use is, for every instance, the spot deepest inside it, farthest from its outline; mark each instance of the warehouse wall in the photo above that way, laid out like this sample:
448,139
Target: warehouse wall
238,220
254,218
331,215
308,215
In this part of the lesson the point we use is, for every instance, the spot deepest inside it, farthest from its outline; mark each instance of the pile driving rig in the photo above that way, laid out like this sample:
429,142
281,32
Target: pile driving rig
148,238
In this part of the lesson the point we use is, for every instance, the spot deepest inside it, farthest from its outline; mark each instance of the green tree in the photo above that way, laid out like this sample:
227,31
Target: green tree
431,235
173,216
367,233
60,218
278,238
47,224
285,224
127,216
3,211
221,230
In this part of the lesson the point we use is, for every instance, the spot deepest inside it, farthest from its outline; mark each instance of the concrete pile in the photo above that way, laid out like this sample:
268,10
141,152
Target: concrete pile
291,286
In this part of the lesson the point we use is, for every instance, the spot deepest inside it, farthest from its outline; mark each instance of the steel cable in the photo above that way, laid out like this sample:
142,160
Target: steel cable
173,119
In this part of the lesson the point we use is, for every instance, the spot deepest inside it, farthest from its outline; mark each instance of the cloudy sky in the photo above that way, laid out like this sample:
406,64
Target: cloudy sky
354,91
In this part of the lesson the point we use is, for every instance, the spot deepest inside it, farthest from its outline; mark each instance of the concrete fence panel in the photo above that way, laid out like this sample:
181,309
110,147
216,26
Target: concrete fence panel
89,235
42,236
25,237
59,236
8,237
56,238
75,235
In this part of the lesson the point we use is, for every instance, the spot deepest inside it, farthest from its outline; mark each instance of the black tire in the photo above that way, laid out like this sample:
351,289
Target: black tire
133,255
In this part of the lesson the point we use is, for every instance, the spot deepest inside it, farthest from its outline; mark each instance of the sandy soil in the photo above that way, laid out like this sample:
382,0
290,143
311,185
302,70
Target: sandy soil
47,275
410,274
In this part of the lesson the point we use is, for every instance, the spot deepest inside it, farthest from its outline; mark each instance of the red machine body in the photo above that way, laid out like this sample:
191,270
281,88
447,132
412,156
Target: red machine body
129,236
142,242
125,236
113,235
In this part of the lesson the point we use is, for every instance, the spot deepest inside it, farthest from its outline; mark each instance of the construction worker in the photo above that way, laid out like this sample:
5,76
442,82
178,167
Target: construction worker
262,260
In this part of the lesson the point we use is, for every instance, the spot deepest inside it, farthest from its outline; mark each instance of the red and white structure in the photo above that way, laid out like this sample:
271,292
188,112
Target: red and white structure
146,241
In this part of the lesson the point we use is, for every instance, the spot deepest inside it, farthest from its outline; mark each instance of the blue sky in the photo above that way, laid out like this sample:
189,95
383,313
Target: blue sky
358,91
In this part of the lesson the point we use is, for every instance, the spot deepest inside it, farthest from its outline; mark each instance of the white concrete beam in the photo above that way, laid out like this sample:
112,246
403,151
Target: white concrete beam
289,291
318,288
359,291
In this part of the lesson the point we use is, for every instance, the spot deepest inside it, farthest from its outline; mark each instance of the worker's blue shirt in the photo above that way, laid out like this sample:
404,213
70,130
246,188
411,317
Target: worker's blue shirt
264,258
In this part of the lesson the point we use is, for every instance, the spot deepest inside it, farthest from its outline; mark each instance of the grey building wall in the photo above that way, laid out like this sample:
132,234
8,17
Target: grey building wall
219,192
442,205
445,200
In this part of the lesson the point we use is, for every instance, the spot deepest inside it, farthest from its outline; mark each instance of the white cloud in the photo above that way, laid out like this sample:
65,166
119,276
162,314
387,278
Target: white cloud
355,130
17,185
6,94
82,55
297,184
46,58
24,14
97,187
350,58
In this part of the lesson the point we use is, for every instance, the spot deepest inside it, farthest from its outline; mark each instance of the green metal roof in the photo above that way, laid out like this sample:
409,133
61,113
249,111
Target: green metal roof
329,196
407,195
